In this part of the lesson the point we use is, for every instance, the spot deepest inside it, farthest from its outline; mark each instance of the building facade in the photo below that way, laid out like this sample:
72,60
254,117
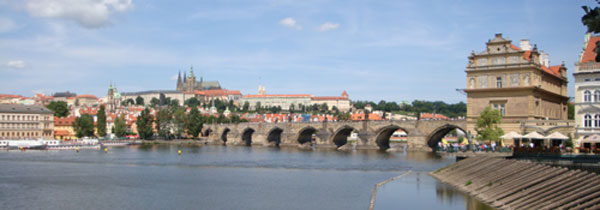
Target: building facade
517,81
63,128
587,90
287,101
190,84
26,122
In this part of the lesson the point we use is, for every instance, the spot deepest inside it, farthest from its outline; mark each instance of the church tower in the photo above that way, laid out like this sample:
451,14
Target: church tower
190,81
179,82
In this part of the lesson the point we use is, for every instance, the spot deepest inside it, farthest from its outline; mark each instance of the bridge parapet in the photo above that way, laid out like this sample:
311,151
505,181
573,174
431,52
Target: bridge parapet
371,134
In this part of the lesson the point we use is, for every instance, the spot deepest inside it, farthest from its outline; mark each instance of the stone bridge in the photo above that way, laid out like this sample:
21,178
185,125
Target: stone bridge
422,134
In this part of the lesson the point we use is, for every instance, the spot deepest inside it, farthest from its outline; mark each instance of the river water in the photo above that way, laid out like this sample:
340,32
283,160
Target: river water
219,177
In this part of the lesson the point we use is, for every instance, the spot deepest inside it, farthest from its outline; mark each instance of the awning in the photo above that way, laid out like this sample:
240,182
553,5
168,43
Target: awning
557,135
511,135
533,135
595,138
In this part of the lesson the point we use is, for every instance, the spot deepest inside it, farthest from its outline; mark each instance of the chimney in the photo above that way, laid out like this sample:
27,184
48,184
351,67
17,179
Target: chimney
542,58
524,44
546,59
499,35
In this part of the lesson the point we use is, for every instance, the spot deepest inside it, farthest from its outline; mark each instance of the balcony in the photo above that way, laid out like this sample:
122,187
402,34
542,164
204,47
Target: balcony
587,67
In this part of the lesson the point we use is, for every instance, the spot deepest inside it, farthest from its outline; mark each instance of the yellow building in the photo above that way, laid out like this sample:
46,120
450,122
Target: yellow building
63,128
26,122
518,82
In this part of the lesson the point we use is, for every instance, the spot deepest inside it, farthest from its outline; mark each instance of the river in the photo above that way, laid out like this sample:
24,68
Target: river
219,177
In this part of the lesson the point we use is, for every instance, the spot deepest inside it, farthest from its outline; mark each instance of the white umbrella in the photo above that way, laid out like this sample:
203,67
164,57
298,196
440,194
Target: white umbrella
533,135
595,138
511,135
557,135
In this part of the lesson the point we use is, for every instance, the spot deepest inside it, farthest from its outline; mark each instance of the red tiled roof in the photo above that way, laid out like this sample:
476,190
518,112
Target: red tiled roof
64,121
512,46
553,70
61,133
317,98
87,96
588,54
218,92
278,95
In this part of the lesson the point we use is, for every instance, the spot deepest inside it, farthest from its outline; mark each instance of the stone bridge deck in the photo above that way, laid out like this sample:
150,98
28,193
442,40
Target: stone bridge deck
422,134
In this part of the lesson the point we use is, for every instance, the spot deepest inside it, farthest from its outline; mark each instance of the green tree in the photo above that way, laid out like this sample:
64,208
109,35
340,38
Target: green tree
120,128
101,122
591,19
194,122
144,124
59,108
139,100
84,126
487,125
154,102
179,122
192,102
246,106
163,123
174,103
571,111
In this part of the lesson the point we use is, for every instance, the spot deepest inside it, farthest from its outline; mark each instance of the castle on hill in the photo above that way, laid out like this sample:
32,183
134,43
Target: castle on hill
189,83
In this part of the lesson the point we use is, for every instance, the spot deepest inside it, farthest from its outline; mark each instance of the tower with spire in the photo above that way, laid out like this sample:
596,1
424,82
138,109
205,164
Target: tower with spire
179,82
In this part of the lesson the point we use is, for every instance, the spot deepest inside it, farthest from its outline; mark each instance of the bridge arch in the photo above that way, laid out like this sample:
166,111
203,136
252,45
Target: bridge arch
274,135
207,132
247,136
384,134
436,135
340,137
305,134
224,135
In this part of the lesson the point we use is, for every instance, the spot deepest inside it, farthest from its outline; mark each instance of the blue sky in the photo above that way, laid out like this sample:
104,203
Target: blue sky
390,50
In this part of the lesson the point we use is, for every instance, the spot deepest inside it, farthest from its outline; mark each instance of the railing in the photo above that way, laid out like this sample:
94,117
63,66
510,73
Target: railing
587,67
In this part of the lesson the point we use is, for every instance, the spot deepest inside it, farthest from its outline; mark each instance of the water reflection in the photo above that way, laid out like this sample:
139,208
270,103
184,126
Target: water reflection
208,177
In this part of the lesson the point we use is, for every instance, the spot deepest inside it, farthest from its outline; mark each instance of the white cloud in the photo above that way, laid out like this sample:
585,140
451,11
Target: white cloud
17,64
87,13
290,22
6,25
329,26
174,77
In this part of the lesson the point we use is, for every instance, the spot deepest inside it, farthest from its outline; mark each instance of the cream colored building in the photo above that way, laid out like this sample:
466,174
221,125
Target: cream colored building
587,91
26,122
286,100
517,81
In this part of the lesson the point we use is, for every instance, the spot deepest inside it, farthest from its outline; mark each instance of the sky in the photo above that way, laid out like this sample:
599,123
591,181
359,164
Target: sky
375,50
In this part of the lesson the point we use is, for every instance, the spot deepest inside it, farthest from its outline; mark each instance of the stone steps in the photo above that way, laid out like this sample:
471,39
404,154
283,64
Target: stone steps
512,184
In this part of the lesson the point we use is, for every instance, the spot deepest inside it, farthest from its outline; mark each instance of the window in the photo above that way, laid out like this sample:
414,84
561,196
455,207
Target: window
596,79
501,108
587,122
597,96
498,82
597,120
587,80
587,96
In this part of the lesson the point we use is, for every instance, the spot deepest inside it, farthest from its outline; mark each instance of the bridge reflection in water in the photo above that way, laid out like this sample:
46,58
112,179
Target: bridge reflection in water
421,135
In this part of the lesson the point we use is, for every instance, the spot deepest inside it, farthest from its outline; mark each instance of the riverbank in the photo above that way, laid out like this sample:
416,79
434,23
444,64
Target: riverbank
514,184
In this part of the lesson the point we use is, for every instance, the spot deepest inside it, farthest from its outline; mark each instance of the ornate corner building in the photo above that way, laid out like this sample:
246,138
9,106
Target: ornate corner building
587,90
517,81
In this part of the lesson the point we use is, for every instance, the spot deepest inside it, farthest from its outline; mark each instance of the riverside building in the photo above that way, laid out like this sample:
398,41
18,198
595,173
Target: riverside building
587,90
26,122
517,81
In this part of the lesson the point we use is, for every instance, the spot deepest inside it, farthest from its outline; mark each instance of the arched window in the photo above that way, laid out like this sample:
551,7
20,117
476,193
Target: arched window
587,96
597,120
587,122
597,96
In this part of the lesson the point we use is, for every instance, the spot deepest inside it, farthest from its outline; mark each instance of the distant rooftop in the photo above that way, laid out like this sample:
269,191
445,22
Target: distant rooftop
18,108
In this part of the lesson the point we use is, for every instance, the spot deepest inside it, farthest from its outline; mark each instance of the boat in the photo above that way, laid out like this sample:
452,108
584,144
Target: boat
24,144
73,146
114,143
